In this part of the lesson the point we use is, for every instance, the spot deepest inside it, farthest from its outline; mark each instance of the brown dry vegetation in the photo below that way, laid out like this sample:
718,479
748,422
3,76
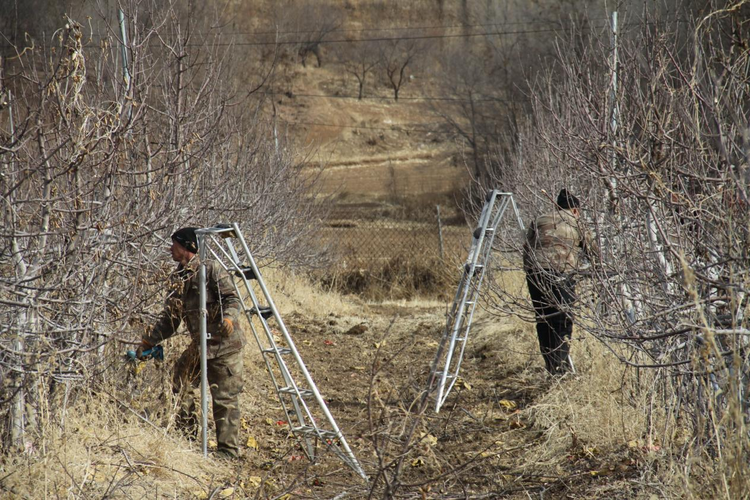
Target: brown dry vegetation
507,431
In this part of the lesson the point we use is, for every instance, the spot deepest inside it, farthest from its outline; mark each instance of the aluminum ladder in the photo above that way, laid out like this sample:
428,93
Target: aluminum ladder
450,352
279,352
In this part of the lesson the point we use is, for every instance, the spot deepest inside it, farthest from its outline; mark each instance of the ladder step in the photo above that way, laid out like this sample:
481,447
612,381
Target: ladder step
265,312
247,272
439,374
290,390
477,267
280,350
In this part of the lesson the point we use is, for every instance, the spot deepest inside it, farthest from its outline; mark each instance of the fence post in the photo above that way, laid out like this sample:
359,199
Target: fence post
440,232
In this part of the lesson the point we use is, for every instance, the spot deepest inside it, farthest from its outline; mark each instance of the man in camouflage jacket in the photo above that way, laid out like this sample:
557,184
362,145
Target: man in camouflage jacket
224,347
552,252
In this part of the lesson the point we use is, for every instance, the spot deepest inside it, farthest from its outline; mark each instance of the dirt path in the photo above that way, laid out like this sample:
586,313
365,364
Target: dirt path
506,431
490,440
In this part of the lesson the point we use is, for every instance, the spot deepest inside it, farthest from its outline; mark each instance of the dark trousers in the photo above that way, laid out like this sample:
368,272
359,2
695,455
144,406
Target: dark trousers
225,380
552,294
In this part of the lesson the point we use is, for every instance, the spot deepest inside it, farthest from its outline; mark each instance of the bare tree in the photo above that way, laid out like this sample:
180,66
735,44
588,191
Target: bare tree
476,107
97,168
306,26
359,61
396,56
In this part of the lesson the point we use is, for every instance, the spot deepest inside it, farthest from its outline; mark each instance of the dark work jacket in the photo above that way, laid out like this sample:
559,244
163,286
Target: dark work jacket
183,303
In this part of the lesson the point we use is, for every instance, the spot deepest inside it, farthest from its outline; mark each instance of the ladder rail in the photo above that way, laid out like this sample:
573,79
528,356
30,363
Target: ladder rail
283,368
301,365
462,312
466,325
469,270
306,426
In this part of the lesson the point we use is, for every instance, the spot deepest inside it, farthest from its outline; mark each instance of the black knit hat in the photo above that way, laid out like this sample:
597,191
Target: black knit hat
187,238
566,201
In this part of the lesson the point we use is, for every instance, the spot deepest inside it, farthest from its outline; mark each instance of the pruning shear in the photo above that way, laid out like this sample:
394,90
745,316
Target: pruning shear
156,352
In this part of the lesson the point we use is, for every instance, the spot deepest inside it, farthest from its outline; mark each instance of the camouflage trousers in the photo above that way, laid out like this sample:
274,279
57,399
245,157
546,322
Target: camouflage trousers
225,380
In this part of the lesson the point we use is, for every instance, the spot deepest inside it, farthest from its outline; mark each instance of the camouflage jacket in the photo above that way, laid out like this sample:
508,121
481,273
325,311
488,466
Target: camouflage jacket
183,303
555,241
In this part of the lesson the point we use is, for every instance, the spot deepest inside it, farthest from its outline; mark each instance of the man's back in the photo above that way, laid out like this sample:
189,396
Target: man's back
554,241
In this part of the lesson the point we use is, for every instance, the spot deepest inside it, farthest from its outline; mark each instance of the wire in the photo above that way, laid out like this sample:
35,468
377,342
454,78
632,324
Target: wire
397,28
384,39
361,30
390,98
387,39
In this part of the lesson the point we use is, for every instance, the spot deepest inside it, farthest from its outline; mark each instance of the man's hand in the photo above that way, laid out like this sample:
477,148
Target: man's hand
145,346
227,327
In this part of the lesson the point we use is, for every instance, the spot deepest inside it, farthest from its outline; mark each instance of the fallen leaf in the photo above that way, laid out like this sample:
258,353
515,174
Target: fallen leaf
280,422
201,495
226,493
462,383
254,481
507,404
429,439
417,462
328,342
269,421
252,443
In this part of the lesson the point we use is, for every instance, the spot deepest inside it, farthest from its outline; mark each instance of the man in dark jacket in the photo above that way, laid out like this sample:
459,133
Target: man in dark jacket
224,347
554,244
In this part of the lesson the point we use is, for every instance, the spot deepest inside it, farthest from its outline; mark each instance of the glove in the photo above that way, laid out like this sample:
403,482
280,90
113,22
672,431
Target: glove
226,328
145,346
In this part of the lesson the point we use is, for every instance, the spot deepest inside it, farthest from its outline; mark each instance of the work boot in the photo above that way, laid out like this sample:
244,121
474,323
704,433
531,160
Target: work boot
228,454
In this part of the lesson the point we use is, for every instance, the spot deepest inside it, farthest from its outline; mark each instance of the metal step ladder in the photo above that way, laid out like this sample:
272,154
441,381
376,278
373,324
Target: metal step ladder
450,352
307,413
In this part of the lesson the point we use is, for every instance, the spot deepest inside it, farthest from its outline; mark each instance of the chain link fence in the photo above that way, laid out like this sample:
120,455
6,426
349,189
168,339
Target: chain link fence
394,258
365,243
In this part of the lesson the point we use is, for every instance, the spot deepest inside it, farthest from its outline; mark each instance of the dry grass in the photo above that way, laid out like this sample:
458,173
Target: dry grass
508,430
